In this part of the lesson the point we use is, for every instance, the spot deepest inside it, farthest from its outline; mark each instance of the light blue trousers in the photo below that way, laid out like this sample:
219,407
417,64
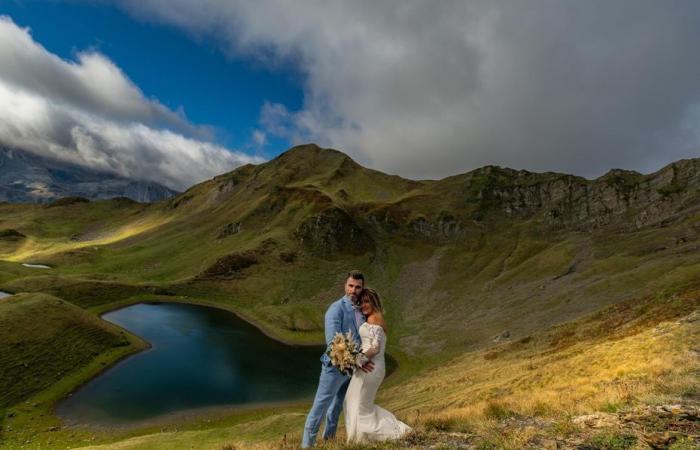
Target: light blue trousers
329,399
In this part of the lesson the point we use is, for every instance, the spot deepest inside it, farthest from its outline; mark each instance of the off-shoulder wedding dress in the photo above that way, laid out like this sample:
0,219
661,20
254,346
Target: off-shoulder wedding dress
365,421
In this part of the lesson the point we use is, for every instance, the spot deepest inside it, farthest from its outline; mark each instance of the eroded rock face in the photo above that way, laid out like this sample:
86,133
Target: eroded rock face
333,231
444,228
622,198
390,220
230,266
230,183
178,201
229,229
383,220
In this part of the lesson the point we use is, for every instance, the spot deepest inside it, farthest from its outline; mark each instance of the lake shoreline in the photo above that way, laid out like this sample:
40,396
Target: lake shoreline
62,406
139,344
186,416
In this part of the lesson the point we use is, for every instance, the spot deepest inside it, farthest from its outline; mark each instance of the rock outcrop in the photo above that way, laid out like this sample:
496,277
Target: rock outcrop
620,198
332,231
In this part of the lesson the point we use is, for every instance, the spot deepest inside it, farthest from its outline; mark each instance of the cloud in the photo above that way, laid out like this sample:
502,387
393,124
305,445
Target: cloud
427,89
259,138
88,112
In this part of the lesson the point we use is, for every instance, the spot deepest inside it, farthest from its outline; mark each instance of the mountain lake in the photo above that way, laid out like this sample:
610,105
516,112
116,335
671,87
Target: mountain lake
200,357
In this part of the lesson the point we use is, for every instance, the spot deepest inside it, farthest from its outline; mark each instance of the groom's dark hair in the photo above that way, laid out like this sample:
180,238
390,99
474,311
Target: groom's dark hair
356,275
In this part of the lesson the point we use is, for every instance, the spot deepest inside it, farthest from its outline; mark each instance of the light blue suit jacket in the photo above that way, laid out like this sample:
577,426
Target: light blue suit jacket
340,318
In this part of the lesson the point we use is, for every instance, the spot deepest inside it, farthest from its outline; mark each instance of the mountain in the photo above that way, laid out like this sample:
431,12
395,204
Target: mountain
496,282
491,250
27,177
444,210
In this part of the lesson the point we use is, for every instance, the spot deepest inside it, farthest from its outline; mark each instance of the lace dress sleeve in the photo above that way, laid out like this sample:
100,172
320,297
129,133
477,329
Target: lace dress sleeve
375,337
375,341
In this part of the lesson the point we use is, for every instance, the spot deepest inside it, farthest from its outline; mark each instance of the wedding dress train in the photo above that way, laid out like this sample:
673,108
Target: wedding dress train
365,421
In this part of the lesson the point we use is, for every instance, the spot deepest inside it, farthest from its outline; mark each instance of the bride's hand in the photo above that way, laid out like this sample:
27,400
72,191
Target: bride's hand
368,367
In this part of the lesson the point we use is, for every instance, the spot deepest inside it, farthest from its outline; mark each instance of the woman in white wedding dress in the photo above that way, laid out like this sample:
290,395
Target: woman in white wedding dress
365,421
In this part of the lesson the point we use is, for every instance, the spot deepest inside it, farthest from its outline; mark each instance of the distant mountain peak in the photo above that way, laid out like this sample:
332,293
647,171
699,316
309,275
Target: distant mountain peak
28,177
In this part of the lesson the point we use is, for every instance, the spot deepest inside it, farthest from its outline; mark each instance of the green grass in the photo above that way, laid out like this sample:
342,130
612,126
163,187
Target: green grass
241,435
612,442
82,293
44,338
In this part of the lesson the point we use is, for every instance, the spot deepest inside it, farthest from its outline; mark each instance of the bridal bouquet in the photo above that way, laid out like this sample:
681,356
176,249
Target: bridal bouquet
344,352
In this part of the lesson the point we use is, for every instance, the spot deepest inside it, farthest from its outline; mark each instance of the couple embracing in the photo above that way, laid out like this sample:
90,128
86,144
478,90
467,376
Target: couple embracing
358,312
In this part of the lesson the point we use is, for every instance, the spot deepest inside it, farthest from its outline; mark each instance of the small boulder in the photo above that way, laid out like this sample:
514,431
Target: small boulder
501,337
598,420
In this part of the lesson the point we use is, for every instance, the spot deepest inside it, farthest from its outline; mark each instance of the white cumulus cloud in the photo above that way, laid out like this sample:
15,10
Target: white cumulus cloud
89,112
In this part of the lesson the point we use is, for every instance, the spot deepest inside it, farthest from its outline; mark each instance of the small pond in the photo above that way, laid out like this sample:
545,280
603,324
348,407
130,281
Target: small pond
200,357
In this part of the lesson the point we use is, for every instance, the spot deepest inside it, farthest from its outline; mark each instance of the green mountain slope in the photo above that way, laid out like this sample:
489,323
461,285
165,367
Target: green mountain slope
458,260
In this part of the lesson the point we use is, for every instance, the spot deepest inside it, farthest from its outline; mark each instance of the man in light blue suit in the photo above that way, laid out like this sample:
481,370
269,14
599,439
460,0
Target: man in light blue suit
342,316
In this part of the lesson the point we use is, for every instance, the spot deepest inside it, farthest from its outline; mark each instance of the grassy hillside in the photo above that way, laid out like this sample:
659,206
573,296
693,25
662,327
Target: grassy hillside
458,261
44,339
638,350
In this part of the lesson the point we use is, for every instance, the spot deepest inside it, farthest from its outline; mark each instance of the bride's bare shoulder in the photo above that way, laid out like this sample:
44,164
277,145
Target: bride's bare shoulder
377,319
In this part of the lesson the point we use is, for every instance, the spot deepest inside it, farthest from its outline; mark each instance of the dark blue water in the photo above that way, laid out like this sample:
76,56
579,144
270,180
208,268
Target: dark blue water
201,357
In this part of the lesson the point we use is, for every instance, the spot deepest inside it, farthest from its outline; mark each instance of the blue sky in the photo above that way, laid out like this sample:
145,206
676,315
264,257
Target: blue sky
172,65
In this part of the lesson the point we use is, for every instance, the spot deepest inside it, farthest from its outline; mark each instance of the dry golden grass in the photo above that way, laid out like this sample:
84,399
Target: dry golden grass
568,371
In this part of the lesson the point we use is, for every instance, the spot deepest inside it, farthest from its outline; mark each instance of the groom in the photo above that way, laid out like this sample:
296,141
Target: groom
342,316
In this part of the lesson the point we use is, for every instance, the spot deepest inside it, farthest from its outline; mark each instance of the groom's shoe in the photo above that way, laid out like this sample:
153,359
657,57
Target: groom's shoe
308,440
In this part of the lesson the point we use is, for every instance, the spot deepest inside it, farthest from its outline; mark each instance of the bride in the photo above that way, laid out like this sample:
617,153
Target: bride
365,421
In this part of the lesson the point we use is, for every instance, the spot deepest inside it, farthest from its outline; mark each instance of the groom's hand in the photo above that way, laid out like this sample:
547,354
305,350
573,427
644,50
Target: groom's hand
368,367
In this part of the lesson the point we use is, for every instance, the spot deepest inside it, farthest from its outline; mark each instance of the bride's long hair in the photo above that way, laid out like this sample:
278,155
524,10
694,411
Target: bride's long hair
373,297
